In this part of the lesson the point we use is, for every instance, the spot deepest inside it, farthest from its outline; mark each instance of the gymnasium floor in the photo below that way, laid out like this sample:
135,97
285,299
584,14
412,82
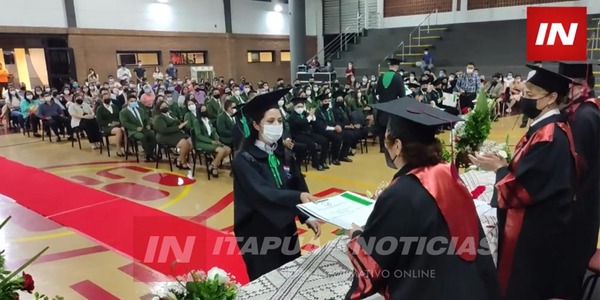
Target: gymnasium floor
87,260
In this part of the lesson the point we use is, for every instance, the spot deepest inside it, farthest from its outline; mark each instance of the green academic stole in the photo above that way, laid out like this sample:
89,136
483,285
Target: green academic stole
274,166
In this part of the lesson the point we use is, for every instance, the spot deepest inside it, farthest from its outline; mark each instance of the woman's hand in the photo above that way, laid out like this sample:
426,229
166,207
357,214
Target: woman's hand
182,125
306,197
488,161
314,226
288,143
355,227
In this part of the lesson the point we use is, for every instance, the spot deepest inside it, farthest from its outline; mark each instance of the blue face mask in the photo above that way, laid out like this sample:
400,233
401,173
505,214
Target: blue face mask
133,105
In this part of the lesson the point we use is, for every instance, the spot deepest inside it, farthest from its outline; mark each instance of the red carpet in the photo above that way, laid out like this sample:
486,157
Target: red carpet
111,220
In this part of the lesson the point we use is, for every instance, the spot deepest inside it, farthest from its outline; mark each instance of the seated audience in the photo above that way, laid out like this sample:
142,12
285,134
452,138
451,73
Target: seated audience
300,126
136,122
29,109
82,116
107,115
226,122
169,131
54,117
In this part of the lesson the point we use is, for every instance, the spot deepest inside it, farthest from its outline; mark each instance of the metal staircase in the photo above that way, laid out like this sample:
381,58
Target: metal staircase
594,46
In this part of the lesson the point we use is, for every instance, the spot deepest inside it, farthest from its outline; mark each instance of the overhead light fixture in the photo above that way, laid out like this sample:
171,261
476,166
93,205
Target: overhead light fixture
162,1
278,8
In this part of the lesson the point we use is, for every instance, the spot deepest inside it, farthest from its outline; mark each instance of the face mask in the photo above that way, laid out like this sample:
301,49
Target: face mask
364,80
315,89
266,88
13,92
47,89
372,78
340,104
204,114
111,80
280,103
170,66
217,96
469,70
38,93
299,110
272,133
247,90
236,93
451,77
106,101
192,107
412,76
29,97
133,105
528,107
169,100
389,161
79,101
325,106
147,91
48,99
359,95
164,110
233,111
308,93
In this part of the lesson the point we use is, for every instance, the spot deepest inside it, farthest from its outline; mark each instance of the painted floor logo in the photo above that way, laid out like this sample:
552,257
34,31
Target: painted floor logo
556,33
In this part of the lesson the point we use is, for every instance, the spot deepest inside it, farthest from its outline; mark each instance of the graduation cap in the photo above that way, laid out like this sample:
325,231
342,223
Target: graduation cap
324,96
550,81
414,86
578,70
413,121
256,108
439,80
393,61
339,93
298,100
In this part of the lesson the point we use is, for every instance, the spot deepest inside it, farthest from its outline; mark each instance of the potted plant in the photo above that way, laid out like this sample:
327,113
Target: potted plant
474,131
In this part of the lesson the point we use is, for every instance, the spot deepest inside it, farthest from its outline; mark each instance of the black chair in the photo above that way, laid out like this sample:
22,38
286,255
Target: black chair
132,144
45,130
104,142
77,132
197,154
167,150
358,117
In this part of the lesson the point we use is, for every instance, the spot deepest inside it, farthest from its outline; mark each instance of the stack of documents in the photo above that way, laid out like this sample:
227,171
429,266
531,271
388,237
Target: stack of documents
341,210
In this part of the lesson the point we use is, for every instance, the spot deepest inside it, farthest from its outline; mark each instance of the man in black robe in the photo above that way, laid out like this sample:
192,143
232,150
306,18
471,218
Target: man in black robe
327,126
390,86
584,118
535,196
425,207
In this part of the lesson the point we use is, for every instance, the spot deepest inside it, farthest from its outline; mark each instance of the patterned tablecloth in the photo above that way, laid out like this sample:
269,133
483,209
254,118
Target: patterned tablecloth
326,273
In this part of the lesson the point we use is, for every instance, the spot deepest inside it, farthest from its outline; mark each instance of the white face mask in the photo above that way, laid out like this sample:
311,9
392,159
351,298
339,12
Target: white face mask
236,92
308,93
13,92
66,92
280,103
364,80
315,88
29,97
299,110
247,90
272,133
233,111
192,108
469,70
359,95
372,78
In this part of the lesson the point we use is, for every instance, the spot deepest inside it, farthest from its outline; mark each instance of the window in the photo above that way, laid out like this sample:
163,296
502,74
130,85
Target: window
285,55
262,56
148,58
189,57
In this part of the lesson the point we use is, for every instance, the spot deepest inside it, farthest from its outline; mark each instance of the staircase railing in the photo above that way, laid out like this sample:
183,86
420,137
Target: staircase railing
340,42
595,40
428,19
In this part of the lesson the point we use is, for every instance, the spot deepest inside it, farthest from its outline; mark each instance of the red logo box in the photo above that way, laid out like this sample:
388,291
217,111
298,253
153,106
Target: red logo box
557,33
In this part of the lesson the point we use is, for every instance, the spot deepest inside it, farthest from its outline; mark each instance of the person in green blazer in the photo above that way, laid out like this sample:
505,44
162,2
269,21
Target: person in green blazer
225,123
213,106
169,131
205,135
135,121
107,116
237,97
175,109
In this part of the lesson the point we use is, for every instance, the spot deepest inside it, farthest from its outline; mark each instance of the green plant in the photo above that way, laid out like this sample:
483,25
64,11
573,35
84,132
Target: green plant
197,285
446,155
477,126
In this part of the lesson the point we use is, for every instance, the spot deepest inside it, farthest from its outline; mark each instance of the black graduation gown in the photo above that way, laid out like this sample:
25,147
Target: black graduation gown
585,124
391,92
535,200
264,213
407,210
353,135
299,125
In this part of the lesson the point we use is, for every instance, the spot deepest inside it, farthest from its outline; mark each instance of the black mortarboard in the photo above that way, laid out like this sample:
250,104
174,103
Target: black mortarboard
413,86
577,70
419,122
339,93
393,61
438,81
550,81
298,100
261,103
324,96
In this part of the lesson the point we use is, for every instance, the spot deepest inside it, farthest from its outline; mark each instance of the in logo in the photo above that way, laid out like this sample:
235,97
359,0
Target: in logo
557,33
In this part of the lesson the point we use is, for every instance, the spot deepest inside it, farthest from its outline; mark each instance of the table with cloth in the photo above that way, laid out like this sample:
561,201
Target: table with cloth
326,273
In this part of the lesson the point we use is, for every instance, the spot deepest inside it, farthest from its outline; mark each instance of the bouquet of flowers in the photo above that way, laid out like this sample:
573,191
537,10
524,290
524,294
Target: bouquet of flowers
13,282
198,285
382,186
476,128
500,149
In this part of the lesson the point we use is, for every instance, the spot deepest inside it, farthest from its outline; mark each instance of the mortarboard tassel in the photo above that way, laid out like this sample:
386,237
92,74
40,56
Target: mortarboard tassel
245,124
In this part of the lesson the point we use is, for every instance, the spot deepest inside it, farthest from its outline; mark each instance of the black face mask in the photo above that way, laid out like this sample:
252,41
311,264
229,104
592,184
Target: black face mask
216,96
79,101
296,84
340,104
528,107
204,114
325,106
197,89
389,161
106,101
164,110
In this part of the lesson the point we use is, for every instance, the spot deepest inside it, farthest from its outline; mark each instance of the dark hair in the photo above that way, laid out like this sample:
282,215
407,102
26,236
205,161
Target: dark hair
417,151
227,104
470,64
158,105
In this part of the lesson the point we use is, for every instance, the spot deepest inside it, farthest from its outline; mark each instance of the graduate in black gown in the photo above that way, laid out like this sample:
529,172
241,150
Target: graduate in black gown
535,196
584,117
267,186
300,123
351,132
426,203
390,86
327,126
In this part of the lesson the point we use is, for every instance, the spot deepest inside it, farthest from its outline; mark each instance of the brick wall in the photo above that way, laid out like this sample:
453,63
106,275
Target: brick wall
96,49
479,4
394,8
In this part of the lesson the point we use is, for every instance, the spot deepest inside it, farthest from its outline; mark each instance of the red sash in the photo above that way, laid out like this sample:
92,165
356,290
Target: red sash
513,197
456,204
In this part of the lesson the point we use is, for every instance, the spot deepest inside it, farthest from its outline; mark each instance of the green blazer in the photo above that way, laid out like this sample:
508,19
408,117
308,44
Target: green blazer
131,122
201,138
167,130
213,107
105,117
241,99
225,127
176,111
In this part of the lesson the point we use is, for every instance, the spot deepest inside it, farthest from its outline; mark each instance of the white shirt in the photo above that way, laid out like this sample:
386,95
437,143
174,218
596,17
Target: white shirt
76,111
264,147
123,74
109,107
531,73
136,113
546,115
206,122
231,117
